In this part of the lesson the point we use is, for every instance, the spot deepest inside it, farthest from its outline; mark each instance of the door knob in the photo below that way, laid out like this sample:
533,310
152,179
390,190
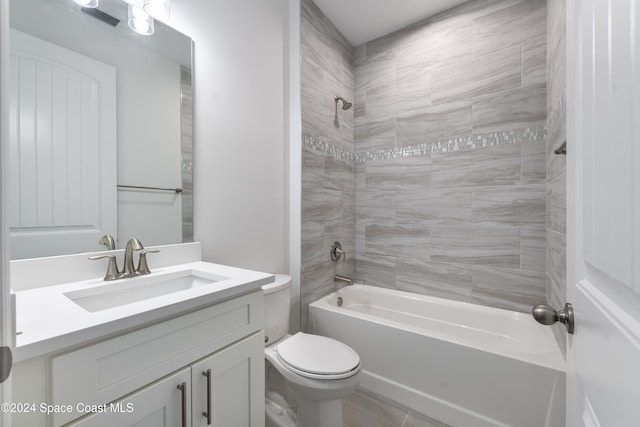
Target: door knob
548,315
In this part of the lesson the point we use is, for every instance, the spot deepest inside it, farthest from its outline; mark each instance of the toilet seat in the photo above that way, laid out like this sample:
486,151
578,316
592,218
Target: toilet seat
318,357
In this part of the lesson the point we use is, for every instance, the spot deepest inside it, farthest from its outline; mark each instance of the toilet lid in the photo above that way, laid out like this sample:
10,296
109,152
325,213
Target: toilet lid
318,355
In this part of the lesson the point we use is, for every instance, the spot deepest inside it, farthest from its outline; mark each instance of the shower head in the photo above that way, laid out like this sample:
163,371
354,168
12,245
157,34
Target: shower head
345,104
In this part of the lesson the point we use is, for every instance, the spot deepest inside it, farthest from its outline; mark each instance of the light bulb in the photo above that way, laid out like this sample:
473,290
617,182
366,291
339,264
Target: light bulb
139,21
159,9
87,3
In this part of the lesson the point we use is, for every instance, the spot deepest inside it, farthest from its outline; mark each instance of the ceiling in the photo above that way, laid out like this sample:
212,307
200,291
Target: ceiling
363,20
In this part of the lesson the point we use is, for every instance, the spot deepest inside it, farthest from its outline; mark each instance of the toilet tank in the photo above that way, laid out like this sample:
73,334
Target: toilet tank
277,302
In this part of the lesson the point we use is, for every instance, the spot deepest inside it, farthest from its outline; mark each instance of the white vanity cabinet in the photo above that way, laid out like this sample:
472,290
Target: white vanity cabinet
232,397
157,405
133,378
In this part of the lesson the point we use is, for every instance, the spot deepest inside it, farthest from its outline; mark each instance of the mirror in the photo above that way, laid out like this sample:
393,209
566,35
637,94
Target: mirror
100,130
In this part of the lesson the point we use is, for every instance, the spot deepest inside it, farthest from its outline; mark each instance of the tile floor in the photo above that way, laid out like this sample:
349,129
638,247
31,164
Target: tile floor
362,409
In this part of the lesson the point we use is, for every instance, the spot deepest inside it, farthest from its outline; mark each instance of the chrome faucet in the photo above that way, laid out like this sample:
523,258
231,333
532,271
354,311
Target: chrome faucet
113,273
343,279
129,269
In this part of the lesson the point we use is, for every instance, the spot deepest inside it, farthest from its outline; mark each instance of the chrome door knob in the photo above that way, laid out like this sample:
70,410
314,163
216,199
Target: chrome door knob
548,315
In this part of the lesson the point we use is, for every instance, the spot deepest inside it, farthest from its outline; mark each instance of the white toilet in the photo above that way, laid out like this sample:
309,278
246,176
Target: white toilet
317,371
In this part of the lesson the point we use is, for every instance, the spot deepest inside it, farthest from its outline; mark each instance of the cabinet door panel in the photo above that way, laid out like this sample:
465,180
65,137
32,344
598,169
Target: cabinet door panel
237,386
158,405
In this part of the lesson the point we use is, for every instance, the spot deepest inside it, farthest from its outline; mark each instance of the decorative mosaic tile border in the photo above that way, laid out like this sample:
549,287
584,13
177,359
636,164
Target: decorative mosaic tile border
558,113
316,144
463,143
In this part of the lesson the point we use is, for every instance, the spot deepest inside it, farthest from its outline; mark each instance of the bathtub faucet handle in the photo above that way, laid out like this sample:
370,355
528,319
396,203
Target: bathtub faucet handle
337,252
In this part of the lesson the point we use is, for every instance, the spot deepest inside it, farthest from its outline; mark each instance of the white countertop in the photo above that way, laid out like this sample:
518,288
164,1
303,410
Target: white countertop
49,321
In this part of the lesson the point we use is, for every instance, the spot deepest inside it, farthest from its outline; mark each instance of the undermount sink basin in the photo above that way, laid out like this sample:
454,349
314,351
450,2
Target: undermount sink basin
128,291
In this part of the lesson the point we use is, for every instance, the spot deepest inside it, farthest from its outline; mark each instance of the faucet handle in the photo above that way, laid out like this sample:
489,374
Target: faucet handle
143,267
112,267
107,241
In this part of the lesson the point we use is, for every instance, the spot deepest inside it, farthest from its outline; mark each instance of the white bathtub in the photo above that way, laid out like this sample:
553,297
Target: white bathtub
465,364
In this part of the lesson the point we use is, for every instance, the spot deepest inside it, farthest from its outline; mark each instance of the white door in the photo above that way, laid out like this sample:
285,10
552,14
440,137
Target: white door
603,218
62,135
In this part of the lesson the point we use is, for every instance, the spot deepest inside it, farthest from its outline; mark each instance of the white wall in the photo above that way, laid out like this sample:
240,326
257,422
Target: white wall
239,129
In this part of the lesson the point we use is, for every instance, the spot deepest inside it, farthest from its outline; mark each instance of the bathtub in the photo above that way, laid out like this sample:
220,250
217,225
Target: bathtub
465,364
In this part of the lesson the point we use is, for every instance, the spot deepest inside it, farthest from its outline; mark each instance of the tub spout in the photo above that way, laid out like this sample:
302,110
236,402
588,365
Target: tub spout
343,279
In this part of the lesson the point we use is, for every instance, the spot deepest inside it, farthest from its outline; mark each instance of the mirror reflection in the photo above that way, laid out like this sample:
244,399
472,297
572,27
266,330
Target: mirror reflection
100,130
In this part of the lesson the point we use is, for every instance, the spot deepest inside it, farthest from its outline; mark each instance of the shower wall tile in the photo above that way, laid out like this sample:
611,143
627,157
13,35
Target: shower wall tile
557,52
499,247
321,204
499,165
398,240
434,206
509,289
534,60
509,26
478,75
312,167
326,70
450,40
328,185
557,204
557,258
471,79
339,174
472,10
413,69
433,123
375,207
374,135
439,279
556,164
556,135
513,206
533,249
376,270
510,109
399,174
534,160
313,245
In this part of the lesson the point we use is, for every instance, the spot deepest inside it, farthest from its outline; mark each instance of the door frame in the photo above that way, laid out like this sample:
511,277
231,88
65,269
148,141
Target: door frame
6,328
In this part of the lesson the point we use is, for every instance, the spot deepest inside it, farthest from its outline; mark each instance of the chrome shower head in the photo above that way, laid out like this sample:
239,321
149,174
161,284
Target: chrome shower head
345,104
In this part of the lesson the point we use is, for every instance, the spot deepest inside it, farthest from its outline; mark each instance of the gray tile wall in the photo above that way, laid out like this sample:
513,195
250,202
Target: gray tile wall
451,161
328,200
556,164
186,148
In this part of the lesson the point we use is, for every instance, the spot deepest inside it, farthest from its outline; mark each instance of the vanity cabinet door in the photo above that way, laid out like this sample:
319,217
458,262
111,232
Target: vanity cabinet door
161,404
236,390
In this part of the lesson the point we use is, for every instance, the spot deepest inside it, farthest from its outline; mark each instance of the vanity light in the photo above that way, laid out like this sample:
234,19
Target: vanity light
87,3
139,21
159,9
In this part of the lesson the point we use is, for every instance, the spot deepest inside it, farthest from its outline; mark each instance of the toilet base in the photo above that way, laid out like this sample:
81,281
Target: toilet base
319,413
277,411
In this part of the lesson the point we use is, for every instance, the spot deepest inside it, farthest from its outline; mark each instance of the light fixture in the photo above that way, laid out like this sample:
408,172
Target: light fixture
140,21
87,3
158,9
